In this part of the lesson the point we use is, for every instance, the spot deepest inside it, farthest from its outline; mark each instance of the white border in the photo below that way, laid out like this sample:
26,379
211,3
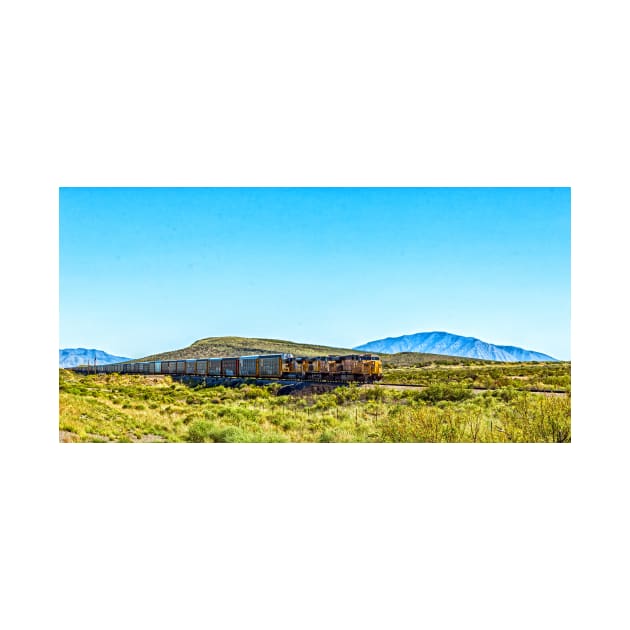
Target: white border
343,94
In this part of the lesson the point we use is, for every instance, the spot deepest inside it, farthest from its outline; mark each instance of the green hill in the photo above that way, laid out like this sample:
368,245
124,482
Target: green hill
240,346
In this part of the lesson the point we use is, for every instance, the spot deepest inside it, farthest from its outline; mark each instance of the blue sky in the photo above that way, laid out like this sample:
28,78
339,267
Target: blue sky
149,270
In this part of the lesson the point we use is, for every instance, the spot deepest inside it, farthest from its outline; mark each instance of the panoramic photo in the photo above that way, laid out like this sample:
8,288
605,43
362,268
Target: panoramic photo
314,315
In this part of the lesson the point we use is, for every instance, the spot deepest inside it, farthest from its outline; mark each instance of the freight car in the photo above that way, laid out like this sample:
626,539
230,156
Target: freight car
362,368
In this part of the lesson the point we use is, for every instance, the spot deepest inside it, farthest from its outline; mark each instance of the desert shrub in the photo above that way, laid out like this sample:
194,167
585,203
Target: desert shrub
249,392
536,419
325,401
289,424
474,426
442,391
204,431
375,393
200,431
506,394
238,415
336,435
327,436
350,393
421,424
430,424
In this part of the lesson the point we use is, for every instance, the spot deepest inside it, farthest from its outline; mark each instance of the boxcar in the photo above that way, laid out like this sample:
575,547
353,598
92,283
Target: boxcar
181,367
201,367
270,365
214,367
248,366
171,367
229,366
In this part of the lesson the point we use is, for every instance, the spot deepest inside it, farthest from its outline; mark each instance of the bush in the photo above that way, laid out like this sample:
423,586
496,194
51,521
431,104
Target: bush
238,415
442,391
203,431
350,393
375,393
539,419
422,424
506,394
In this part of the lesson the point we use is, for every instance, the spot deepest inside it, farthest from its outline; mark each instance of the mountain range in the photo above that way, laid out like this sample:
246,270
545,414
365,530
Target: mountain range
71,357
428,346
453,345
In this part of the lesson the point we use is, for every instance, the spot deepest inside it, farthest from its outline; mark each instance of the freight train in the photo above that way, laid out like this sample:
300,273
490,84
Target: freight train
363,368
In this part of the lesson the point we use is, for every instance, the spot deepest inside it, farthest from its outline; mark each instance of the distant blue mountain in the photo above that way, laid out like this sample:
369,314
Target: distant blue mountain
71,357
454,345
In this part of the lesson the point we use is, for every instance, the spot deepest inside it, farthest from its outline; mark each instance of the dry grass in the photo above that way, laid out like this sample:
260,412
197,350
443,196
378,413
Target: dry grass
132,408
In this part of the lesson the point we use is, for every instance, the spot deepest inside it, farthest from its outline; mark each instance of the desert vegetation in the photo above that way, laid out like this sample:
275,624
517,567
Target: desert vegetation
134,408
488,375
